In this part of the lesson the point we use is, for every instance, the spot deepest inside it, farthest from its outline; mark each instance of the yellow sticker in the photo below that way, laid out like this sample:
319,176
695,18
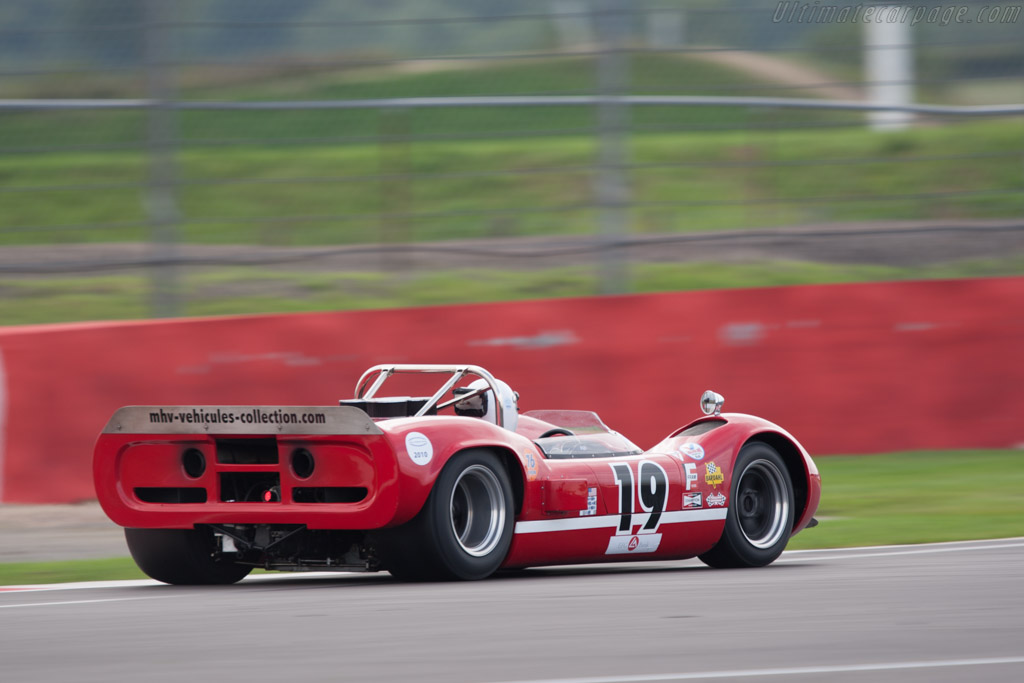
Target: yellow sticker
713,475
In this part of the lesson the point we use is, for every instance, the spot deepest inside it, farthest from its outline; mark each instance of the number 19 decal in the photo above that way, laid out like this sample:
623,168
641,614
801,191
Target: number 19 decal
651,490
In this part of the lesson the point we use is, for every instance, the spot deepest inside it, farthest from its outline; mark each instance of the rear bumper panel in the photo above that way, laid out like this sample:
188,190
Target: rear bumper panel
179,480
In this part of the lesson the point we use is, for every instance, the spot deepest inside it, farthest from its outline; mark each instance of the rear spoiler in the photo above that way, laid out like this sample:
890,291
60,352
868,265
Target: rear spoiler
240,420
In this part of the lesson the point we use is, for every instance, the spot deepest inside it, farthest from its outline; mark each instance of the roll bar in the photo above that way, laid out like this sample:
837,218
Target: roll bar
379,373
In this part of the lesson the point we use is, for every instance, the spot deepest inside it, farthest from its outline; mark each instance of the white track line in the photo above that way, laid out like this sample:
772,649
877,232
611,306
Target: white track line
83,602
793,671
969,542
788,558
133,583
78,585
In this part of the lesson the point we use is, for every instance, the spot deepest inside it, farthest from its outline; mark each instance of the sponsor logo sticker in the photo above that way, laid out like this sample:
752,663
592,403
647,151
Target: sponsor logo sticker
591,503
691,474
713,475
531,466
716,500
692,450
421,451
693,500
630,545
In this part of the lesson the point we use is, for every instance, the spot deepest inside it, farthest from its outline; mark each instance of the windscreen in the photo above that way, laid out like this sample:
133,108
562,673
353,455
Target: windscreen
607,445
589,437
578,421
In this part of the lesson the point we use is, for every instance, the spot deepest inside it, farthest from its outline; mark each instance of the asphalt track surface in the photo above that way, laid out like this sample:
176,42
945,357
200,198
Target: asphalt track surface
943,612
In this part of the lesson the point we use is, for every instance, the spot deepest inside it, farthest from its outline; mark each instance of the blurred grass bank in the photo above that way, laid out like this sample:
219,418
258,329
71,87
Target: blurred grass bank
919,497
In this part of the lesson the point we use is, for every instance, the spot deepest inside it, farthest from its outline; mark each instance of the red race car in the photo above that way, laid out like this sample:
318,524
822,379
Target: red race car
206,493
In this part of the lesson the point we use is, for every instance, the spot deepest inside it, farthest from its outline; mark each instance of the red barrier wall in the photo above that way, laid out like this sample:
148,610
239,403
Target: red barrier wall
846,368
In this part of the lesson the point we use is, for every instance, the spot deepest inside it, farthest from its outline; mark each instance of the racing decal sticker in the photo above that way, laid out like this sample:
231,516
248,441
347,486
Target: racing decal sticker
531,466
624,480
249,420
643,485
591,503
713,475
692,450
622,545
421,451
716,500
691,474
652,492
693,500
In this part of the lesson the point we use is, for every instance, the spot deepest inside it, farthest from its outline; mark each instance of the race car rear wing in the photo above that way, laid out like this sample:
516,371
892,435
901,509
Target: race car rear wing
249,420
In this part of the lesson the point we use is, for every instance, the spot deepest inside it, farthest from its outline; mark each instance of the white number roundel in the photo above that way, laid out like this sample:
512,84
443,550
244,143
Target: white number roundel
419,448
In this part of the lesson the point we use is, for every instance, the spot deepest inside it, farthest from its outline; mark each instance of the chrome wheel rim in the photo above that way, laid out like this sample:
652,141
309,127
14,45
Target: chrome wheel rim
762,504
477,510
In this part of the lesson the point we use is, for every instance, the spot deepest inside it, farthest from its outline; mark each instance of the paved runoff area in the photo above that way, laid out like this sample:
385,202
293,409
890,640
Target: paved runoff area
940,612
45,533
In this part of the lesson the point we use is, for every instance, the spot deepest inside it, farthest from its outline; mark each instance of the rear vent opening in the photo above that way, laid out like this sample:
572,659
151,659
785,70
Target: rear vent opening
168,494
329,494
247,451
250,487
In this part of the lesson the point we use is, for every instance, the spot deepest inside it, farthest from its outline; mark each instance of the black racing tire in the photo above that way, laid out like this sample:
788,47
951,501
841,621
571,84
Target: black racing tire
181,557
465,528
760,518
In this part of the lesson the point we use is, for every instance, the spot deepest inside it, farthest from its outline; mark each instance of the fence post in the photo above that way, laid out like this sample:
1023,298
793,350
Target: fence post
161,203
611,188
394,166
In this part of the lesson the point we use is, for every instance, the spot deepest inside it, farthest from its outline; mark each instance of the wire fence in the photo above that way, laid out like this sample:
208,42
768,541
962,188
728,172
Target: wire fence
179,130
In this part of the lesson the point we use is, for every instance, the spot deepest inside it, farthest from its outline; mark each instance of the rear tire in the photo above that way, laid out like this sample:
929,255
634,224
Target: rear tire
181,557
760,518
464,530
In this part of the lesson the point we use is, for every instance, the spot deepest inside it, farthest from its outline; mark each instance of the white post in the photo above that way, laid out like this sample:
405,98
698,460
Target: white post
572,23
889,65
666,29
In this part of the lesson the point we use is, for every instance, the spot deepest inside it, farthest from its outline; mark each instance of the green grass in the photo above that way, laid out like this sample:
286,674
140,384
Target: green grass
649,74
336,177
107,569
28,573
896,498
919,497
463,189
255,291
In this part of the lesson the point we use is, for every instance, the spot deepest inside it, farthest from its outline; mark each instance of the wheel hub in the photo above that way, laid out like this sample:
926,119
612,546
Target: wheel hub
477,510
763,504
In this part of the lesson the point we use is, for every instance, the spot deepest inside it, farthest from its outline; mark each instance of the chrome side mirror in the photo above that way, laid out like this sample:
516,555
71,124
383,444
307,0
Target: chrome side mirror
711,403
